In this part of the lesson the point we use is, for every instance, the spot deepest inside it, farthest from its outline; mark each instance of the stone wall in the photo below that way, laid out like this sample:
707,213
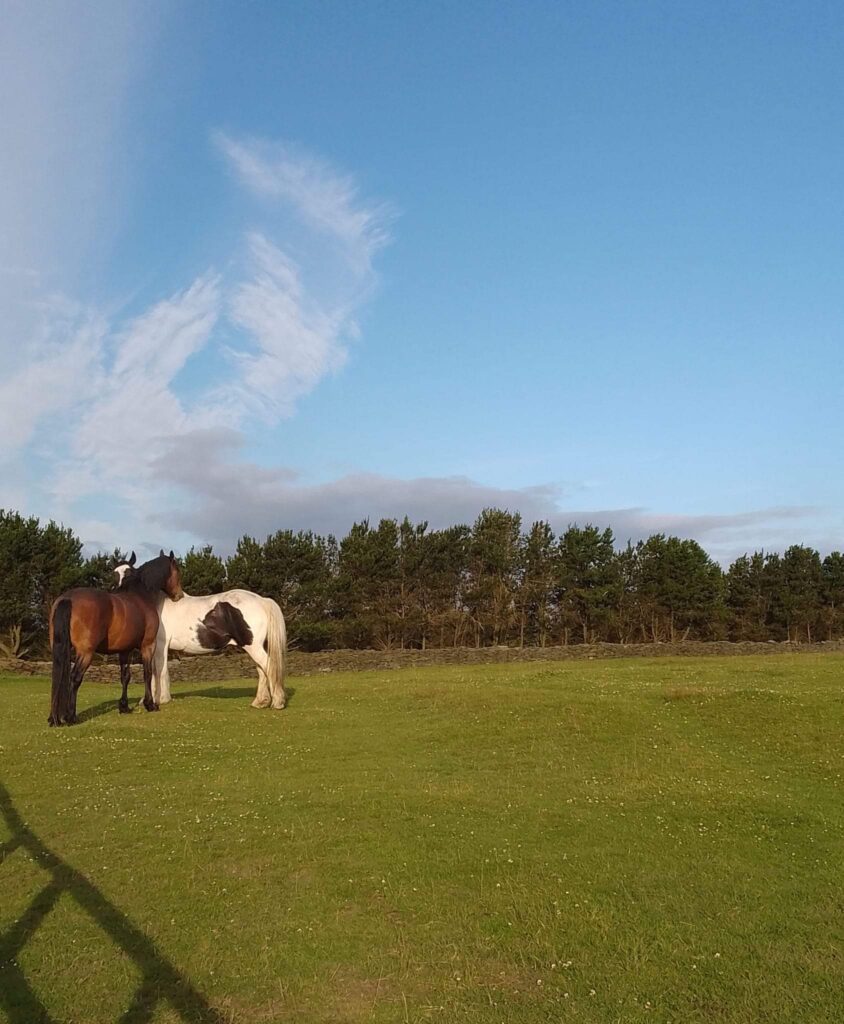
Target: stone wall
231,665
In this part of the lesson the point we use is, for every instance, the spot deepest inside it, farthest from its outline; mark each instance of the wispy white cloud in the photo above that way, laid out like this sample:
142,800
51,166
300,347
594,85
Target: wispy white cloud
156,345
117,387
132,404
327,201
97,400
298,340
62,359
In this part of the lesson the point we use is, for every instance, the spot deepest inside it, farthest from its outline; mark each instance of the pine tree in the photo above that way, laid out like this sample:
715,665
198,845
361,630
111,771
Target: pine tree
680,589
493,574
443,583
833,594
37,563
535,596
803,584
246,568
747,599
203,572
368,586
587,580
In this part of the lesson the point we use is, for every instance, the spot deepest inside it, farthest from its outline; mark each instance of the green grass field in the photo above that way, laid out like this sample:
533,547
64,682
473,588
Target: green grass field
613,841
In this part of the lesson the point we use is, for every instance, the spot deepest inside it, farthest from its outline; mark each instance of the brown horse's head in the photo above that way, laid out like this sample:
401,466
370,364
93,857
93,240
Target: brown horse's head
160,573
173,584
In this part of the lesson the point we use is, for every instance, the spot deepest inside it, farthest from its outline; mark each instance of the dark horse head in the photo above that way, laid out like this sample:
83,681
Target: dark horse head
123,570
160,573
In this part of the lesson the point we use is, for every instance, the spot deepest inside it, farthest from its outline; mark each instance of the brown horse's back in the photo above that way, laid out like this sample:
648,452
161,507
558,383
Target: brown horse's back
108,623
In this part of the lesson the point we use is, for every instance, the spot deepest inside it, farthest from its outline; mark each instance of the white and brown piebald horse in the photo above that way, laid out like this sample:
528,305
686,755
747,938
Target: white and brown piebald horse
202,625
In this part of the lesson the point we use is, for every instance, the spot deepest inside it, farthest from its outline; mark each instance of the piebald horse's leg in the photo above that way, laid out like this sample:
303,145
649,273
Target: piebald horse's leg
263,697
161,672
125,676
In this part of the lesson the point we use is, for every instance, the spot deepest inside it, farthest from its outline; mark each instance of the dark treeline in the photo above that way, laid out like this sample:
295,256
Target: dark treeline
400,584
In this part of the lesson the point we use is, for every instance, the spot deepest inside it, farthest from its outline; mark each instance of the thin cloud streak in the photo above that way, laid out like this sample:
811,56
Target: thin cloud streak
298,340
326,201
228,498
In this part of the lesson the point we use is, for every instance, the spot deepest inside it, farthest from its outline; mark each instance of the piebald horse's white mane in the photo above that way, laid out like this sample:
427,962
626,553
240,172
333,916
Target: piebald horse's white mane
236,618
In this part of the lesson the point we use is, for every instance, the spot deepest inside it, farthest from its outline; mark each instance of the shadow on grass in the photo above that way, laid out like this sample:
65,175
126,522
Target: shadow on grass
227,692
220,692
160,980
103,708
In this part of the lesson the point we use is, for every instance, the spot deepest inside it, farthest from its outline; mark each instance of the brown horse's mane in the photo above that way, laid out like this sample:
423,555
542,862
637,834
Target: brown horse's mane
151,576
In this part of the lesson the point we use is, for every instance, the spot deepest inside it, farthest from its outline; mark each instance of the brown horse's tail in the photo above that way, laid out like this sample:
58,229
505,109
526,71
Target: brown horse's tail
60,697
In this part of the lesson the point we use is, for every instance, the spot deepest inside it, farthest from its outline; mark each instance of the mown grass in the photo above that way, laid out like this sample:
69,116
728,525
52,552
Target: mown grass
615,841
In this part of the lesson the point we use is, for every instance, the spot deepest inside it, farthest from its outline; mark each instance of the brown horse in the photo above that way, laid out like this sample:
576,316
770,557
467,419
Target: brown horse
86,621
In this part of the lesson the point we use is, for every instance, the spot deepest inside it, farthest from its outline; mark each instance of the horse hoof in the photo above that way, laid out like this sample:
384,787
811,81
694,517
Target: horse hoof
279,707
151,707
124,709
260,703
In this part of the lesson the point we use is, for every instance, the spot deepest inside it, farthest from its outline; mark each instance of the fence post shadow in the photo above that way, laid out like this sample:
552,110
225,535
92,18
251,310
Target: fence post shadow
160,980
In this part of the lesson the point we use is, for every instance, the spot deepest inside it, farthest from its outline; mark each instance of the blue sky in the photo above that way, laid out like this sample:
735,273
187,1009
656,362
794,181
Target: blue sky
276,265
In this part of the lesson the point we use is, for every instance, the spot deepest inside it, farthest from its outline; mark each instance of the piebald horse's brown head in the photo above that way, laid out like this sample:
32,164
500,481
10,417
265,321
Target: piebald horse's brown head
125,570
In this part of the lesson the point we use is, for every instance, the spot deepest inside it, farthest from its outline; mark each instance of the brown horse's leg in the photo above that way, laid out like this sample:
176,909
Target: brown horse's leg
125,676
80,667
147,655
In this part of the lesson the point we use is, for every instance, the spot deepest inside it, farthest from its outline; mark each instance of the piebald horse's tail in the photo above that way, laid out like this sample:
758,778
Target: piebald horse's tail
61,691
276,653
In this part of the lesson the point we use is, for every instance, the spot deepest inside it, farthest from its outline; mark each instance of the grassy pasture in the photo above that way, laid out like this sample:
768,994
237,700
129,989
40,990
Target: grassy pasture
607,841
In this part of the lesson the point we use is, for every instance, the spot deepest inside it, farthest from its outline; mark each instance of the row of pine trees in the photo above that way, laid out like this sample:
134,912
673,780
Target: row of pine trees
402,585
